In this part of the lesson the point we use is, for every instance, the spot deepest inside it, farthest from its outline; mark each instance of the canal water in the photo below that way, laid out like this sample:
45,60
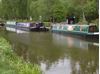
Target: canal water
55,53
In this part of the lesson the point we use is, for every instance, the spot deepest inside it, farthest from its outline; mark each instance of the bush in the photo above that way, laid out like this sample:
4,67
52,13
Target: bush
96,22
47,24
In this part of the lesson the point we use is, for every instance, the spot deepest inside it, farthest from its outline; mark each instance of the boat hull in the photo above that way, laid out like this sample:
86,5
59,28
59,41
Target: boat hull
79,35
39,29
76,30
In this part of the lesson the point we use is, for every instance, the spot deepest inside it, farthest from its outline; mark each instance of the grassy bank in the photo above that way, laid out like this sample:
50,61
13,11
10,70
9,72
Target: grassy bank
10,63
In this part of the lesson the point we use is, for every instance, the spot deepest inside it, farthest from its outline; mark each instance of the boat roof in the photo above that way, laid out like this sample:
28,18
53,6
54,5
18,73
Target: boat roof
58,24
11,22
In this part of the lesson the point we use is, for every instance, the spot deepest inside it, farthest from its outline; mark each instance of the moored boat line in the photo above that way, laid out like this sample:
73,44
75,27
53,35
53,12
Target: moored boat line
79,30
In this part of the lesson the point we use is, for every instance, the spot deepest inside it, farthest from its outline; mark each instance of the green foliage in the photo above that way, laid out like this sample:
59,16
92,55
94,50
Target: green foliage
11,64
82,21
91,10
58,12
47,24
96,22
13,9
50,10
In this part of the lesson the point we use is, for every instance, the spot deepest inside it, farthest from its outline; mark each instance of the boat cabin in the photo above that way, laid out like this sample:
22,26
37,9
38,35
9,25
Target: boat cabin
75,28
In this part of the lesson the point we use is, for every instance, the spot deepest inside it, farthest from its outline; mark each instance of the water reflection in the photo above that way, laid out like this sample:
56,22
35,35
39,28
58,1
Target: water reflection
56,54
71,42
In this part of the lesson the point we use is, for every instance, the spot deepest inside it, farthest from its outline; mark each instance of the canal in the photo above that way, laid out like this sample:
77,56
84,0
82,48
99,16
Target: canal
55,53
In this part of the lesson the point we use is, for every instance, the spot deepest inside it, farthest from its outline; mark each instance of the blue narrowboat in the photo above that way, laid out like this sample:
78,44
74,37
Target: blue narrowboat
24,26
79,30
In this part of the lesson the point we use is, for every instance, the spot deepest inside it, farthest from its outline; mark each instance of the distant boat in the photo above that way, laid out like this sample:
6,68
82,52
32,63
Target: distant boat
79,30
24,26
11,26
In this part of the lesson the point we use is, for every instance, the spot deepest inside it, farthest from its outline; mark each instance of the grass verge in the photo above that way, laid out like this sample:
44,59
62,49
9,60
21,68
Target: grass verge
10,63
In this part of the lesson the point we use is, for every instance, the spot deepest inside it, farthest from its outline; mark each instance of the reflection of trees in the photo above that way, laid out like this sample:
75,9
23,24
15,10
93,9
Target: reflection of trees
34,50
83,55
48,56
40,48
88,60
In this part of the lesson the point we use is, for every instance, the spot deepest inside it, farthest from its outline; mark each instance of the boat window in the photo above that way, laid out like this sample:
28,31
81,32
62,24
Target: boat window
32,24
93,29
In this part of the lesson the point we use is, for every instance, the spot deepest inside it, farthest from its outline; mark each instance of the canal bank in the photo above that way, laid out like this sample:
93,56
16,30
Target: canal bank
12,64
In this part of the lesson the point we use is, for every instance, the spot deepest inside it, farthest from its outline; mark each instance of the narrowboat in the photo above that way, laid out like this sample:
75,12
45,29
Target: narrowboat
38,27
79,30
24,26
10,26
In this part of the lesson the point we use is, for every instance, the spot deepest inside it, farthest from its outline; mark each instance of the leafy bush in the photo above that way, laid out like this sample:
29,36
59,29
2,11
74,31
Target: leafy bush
96,22
47,24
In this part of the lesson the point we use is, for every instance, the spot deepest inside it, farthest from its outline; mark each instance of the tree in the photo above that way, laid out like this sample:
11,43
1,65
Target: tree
14,8
91,10
58,12
49,10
